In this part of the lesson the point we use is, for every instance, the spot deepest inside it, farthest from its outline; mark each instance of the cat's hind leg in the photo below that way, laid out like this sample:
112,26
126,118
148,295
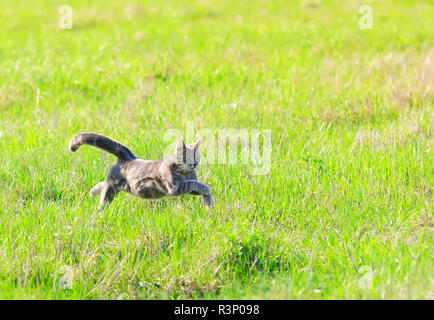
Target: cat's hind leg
97,189
107,195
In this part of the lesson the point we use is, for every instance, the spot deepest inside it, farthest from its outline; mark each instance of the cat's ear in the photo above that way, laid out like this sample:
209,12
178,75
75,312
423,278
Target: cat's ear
180,144
196,144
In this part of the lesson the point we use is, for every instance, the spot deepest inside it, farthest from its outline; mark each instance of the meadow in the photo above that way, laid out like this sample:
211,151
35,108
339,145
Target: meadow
345,212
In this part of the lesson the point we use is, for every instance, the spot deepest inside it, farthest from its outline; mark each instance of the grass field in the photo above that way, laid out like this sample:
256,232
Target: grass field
345,211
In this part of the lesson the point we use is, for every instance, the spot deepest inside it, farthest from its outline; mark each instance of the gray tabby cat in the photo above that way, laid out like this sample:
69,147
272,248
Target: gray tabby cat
171,176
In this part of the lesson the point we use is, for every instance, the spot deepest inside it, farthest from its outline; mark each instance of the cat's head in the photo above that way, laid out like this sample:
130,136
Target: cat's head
187,155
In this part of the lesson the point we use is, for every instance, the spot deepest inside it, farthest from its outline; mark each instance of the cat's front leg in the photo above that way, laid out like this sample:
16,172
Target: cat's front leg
194,187
208,199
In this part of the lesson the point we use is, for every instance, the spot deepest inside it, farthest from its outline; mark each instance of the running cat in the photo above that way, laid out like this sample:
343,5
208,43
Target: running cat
171,176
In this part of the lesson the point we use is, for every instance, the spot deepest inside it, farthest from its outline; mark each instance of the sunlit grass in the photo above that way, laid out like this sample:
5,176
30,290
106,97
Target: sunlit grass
351,116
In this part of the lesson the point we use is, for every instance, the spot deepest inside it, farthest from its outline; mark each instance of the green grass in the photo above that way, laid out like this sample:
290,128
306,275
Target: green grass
351,113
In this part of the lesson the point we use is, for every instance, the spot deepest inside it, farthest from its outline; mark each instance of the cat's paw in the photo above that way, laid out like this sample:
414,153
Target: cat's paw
93,192
208,199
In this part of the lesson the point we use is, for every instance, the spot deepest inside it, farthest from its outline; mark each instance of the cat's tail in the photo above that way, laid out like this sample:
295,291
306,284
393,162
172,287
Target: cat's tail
102,142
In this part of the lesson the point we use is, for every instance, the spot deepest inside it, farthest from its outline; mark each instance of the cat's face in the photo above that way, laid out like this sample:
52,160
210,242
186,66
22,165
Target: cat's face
187,156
